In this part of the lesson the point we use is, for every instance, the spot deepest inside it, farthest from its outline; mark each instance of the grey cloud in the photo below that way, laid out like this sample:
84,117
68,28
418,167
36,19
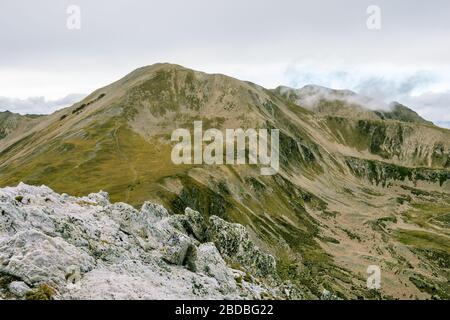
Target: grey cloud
433,106
311,95
37,105
382,88
239,38
199,30
385,88
443,124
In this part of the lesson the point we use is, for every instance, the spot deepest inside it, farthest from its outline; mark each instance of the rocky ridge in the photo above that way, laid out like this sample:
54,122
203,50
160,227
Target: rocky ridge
56,246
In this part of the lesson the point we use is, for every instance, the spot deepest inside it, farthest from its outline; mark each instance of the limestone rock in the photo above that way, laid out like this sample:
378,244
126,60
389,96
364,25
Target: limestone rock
233,240
154,212
176,248
207,259
36,258
18,288
195,223
88,248
101,198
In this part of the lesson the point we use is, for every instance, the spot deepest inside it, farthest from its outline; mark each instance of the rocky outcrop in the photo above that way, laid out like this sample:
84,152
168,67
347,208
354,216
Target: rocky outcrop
403,143
62,247
233,241
207,259
383,173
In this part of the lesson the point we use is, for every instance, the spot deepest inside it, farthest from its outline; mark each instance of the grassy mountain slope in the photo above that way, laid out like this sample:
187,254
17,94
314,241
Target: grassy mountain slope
356,187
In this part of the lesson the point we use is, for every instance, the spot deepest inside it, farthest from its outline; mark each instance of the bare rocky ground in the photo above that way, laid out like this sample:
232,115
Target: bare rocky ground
56,246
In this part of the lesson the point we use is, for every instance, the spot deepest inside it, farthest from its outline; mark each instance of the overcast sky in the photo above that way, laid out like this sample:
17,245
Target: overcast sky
44,65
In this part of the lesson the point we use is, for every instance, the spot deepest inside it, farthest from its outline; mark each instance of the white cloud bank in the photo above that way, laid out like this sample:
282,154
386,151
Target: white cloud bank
37,105
271,43
425,90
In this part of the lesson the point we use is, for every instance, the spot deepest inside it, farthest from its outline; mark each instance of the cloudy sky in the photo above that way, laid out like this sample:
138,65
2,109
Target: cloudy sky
44,65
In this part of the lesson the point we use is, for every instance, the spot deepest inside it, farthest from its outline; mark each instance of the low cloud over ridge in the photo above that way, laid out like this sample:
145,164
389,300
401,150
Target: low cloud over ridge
38,105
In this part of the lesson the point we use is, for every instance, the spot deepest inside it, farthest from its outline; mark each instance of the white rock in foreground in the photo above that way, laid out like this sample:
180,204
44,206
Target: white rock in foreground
88,248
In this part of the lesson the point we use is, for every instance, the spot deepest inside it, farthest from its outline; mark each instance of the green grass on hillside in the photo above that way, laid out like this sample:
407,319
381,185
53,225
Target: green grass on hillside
108,156
423,240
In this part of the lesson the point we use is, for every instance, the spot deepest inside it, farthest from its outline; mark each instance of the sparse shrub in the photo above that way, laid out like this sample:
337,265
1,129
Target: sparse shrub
19,198
43,292
248,277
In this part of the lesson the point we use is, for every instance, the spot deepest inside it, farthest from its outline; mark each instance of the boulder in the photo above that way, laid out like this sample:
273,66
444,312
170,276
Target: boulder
153,212
176,248
195,224
18,288
207,259
36,258
233,241
100,198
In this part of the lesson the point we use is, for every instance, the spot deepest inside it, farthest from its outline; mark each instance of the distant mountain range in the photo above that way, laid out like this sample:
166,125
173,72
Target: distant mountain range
360,183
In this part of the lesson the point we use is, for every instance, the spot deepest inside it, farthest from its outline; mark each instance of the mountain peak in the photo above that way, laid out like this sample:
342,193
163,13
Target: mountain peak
161,66
317,89
346,103
6,113
401,112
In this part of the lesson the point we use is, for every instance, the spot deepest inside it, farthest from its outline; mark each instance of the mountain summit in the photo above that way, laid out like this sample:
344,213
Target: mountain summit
359,183
347,103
